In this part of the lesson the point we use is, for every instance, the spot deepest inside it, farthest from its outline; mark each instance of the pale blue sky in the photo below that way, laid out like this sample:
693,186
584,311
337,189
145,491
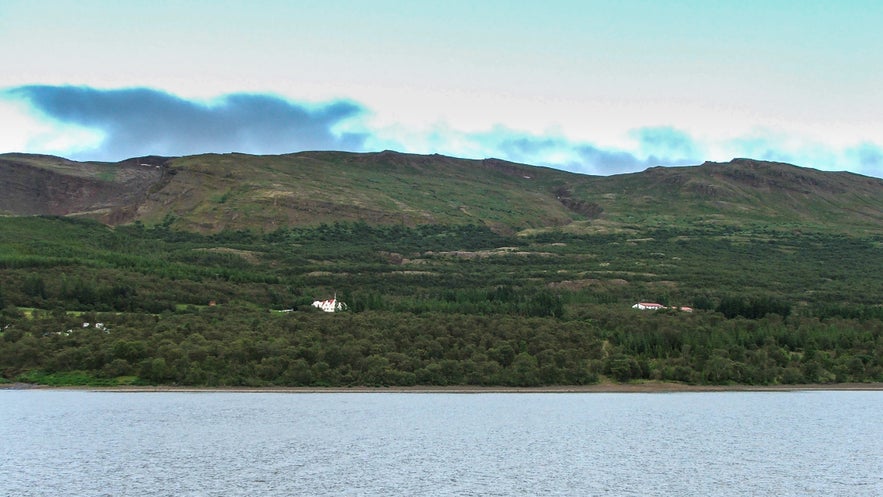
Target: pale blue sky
590,86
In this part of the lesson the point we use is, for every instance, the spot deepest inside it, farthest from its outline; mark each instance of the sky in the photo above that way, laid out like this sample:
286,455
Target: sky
589,86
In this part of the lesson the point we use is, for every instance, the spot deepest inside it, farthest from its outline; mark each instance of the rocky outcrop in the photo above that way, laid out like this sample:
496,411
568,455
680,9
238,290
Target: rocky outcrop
43,185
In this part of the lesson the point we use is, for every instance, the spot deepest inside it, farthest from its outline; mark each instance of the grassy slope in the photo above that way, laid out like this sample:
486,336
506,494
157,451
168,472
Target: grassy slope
237,191
213,192
742,192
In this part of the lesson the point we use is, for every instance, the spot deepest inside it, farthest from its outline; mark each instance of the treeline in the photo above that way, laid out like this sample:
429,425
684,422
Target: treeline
434,305
238,347
752,307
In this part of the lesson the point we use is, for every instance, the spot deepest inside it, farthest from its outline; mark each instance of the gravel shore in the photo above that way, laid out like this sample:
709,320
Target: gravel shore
646,387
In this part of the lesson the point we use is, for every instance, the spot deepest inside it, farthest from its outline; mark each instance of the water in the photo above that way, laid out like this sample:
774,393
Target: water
76,443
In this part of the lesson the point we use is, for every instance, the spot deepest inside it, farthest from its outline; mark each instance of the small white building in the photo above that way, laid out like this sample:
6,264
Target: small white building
648,306
332,305
653,306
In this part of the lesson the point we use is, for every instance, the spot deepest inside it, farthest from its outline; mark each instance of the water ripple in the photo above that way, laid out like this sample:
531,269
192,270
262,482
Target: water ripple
247,444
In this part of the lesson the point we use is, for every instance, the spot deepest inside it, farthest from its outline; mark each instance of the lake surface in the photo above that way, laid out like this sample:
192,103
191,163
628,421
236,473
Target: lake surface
77,443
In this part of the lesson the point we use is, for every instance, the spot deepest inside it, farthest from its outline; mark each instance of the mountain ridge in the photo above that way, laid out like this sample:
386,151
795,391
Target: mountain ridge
213,192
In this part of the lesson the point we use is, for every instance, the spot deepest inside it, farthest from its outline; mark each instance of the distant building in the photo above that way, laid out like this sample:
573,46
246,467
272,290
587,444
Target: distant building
332,305
653,306
648,306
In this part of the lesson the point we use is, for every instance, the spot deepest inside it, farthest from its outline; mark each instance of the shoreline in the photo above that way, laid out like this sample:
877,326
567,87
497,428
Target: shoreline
648,387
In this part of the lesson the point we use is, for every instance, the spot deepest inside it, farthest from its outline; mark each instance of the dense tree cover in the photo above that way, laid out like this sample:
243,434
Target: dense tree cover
435,305
235,346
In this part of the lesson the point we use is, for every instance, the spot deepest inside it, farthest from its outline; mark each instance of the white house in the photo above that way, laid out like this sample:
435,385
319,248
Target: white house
332,305
648,306
653,306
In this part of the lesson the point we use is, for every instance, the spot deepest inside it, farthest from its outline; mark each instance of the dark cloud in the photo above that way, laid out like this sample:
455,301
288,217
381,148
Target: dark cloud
868,155
667,146
579,157
142,121
601,161
526,146
868,158
660,147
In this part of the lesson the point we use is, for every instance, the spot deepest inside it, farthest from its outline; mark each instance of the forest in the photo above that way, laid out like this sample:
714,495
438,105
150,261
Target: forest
86,304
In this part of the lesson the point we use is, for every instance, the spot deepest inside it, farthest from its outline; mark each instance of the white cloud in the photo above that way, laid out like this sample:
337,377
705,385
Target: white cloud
23,130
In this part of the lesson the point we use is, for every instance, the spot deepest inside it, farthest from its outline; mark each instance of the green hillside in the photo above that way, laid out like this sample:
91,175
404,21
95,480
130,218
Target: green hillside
455,272
741,192
238,191
210,193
